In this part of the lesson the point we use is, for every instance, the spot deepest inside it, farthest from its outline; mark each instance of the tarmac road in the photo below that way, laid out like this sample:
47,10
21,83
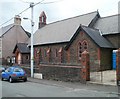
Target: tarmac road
45,88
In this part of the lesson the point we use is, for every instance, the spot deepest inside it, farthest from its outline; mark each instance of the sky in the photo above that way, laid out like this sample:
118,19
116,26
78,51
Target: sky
55,11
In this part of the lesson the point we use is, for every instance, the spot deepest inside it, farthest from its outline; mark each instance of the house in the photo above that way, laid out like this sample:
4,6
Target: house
10,35
22,53
62,42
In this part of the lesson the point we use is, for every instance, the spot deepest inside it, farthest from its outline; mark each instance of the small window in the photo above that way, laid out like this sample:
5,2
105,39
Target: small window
27,57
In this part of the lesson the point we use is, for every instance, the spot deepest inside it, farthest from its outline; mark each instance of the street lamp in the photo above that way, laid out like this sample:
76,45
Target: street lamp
32,25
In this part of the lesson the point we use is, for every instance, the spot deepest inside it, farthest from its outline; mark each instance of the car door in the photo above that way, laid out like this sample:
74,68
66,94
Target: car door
7,73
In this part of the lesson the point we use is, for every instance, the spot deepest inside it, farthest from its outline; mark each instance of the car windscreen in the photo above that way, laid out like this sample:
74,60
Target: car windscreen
18,70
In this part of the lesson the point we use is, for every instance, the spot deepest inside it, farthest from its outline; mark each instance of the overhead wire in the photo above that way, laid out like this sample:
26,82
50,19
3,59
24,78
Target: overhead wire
29,8
20,12
52,2
6,21
13,17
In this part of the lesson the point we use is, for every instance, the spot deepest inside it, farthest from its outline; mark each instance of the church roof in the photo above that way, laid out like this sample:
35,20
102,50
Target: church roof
62,31
97,37
107,25
94,34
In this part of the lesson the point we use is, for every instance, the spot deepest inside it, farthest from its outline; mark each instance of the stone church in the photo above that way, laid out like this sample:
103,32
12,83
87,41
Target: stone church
61,43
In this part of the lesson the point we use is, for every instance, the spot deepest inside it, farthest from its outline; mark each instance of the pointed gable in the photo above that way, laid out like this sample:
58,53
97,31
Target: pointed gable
22,47
94,34
97,37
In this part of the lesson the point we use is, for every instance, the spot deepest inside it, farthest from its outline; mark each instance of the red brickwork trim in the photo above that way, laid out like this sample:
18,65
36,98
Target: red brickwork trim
118,65
85,71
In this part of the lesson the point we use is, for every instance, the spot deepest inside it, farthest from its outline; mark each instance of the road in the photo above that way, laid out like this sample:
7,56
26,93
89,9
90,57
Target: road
52,89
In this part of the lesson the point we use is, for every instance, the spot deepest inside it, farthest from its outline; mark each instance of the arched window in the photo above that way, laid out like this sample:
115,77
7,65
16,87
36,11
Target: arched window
85,45
82,46
79,49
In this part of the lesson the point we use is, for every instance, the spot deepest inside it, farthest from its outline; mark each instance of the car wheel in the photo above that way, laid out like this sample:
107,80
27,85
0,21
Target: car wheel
25,79
2,79
10,80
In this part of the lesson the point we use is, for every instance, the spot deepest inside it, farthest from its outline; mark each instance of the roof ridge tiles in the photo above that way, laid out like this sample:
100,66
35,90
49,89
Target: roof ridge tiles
109,16
72,17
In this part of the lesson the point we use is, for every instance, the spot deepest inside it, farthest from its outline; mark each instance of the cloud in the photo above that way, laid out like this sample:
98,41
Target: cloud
55,11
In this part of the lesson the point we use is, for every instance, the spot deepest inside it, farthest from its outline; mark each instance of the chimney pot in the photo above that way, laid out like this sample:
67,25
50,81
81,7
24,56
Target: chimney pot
17,20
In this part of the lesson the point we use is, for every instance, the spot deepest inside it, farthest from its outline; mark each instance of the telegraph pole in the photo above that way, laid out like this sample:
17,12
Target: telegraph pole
32,25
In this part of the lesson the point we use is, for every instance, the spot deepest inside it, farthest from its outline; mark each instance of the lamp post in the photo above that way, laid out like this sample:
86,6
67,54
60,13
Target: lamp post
32,25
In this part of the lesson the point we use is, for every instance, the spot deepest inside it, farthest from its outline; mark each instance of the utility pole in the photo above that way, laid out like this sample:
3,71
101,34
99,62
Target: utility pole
32,25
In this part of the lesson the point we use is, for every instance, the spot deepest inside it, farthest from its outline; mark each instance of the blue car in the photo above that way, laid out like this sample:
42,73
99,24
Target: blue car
14,73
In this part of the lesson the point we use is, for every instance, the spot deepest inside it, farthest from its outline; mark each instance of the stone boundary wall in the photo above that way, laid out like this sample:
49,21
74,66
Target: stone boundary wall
64,72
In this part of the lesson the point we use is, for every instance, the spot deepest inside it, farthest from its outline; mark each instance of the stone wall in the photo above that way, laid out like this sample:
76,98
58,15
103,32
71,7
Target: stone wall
61,73
64,72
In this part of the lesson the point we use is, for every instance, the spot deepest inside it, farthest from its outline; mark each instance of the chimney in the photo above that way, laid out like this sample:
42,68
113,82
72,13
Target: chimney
42,20
17,20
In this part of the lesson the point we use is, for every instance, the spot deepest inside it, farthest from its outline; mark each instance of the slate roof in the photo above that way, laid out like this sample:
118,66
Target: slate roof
62,31
22,47
107,25
97,37
5,29
94,34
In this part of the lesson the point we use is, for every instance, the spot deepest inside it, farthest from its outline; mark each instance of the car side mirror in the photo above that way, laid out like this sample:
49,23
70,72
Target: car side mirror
3,70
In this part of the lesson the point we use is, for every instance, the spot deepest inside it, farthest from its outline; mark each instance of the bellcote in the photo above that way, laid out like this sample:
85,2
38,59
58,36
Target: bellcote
42,20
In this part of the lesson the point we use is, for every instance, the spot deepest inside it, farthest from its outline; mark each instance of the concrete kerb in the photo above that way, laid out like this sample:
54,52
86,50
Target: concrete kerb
100,83
36,80
60,84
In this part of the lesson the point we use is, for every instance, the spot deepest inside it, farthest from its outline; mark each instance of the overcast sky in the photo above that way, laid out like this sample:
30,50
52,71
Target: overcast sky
60,9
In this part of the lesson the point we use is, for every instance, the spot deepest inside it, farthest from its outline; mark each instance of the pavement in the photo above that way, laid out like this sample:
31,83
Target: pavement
111,89
105,77
102,78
